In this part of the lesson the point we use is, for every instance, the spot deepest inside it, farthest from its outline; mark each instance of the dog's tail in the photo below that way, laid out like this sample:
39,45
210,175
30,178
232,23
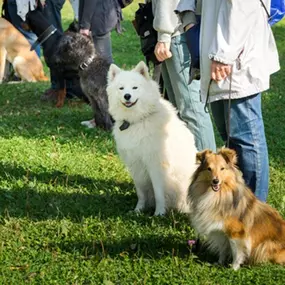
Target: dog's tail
269,251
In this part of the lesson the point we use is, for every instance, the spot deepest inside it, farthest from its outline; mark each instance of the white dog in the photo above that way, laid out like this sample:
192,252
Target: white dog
156,146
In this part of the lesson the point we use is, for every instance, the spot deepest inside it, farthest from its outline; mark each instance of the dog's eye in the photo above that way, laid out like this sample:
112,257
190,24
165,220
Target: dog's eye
121,88
135,87
222,168
209,168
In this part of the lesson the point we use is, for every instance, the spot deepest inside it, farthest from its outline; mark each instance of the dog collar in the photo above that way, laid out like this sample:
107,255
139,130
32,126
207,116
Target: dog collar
85,64
124,125
44,36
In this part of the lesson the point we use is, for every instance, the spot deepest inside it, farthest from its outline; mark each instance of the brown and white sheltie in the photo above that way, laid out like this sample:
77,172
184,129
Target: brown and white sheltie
235,222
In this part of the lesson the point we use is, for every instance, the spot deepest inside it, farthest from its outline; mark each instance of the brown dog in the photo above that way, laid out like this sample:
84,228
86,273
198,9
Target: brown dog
15,48
235,222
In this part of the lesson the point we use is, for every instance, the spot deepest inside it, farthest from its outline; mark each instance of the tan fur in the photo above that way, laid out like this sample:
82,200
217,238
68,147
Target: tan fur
60,94
232,218
15,48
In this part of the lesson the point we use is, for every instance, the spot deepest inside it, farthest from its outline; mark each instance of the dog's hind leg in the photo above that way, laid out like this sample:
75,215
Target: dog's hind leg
280,257
20,67
3,54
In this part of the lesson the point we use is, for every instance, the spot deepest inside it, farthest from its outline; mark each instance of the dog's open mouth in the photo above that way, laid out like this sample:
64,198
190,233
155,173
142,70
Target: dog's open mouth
216,187
129,104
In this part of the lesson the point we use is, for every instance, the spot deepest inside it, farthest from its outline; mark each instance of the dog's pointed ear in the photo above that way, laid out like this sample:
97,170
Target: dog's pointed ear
229,155
200,156
114,70
142,69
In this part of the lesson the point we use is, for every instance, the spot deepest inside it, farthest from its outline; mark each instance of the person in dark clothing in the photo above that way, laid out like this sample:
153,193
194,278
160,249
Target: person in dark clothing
17,22
52,11
100,17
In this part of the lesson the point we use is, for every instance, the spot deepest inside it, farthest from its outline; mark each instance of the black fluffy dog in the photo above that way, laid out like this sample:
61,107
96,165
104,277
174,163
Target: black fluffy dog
48,37
78,52
72,55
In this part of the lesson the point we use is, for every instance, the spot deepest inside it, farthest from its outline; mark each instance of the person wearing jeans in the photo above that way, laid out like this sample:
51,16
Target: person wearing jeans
171,49
237,56
247,137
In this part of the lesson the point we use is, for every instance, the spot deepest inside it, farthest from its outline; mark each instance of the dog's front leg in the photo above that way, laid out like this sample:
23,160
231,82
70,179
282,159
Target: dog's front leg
61,93
143,187
238,252
159,182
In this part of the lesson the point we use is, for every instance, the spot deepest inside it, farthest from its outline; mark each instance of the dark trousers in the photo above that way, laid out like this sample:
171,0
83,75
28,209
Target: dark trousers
52,12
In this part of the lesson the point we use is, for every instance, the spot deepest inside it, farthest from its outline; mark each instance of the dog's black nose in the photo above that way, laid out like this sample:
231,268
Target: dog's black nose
216,181
127,96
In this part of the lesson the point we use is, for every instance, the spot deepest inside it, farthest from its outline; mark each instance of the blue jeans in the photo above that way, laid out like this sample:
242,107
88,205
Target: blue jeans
185,97
247,138
17,21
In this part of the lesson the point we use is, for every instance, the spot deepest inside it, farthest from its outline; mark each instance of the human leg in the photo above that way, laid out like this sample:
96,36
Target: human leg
103,46
247,137
187,97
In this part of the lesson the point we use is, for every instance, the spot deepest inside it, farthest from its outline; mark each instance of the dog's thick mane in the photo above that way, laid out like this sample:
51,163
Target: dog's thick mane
234,195
74,49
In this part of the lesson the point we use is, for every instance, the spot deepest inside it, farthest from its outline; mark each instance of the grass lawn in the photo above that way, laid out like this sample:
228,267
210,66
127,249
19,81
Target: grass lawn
65,196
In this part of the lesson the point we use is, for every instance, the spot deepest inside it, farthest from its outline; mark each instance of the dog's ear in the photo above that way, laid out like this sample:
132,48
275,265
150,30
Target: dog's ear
142,69
200,156
114,70
229,155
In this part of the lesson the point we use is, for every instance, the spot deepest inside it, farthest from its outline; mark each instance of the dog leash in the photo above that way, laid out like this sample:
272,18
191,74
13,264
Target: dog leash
228,124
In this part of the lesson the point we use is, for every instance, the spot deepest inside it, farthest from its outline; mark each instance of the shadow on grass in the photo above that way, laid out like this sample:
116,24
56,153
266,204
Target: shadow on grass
55,195
137,247
48,195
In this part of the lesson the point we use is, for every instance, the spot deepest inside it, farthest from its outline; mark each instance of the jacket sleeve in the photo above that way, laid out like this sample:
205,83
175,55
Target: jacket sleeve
186,10
88,9
235,21
186,5
165,20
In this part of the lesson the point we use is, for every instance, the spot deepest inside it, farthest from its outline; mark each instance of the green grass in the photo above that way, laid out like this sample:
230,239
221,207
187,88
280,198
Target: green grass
65,196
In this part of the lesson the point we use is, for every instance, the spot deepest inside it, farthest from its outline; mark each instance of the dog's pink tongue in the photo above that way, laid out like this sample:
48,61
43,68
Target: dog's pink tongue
216,187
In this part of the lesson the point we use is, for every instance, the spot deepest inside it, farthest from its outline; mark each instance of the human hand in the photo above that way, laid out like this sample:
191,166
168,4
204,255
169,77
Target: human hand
189,26
162,51
220,71
84,32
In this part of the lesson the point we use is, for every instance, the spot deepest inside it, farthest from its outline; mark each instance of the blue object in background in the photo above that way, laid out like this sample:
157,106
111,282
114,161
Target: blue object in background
277,11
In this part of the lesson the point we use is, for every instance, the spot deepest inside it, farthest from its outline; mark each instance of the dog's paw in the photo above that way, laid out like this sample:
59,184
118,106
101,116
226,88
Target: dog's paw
236,266
159,212
89,124
138,210
59,104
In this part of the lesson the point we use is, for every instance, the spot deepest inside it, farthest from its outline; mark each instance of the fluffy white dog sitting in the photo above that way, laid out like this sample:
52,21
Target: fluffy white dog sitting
156,146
